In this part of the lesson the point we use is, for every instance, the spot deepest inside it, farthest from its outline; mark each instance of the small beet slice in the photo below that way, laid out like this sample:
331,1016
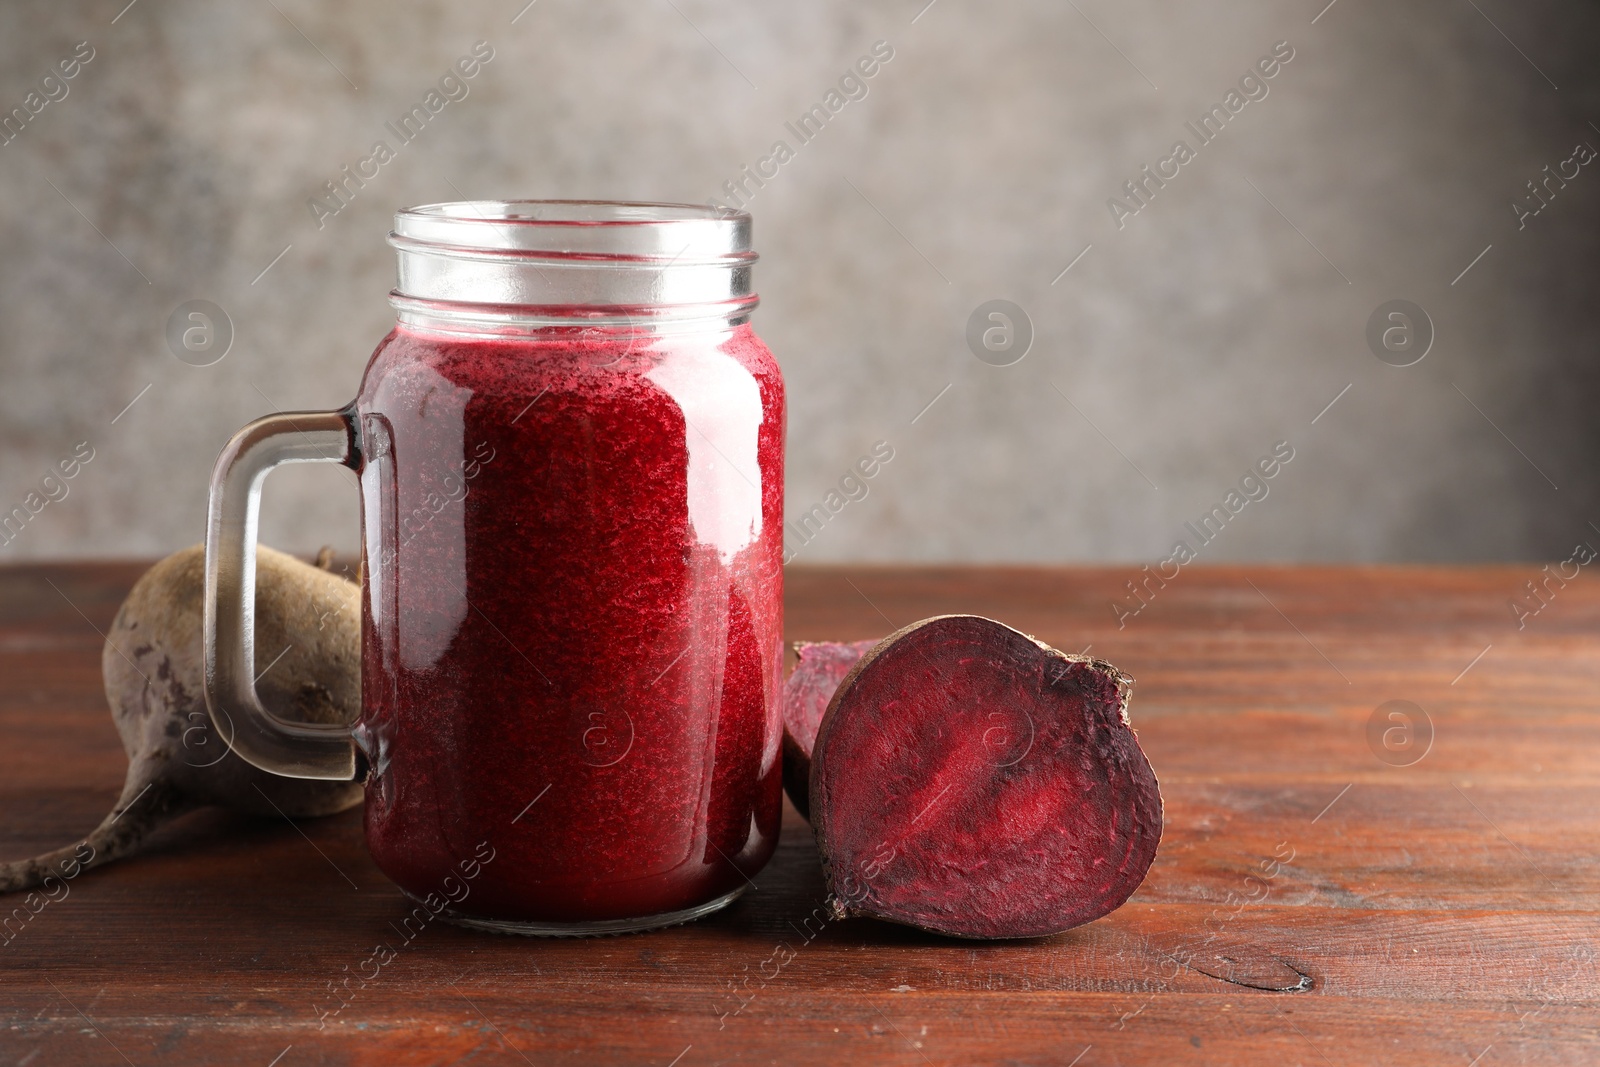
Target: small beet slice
972,781
823,665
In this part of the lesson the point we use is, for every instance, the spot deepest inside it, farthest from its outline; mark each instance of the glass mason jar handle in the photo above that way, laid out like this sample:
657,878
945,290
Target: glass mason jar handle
291,749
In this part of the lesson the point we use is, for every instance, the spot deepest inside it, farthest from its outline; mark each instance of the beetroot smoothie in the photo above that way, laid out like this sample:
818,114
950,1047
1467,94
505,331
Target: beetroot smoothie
571,460
572,621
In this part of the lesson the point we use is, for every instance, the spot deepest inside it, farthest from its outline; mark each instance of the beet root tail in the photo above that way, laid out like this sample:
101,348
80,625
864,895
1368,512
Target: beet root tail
148,801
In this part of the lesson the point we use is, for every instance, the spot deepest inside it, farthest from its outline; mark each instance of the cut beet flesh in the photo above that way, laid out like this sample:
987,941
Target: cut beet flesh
970,780
822,666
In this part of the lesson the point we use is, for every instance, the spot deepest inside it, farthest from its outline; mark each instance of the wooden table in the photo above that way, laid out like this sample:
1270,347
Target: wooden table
1312,902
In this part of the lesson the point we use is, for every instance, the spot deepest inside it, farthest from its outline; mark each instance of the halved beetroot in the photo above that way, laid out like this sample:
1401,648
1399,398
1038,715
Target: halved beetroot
822,666
972,781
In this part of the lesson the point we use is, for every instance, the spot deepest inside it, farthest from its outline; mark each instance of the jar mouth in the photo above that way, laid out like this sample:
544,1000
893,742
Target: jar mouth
625,231
561,259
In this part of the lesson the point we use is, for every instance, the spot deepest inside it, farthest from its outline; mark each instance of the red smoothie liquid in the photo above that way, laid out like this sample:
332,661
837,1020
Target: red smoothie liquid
573,616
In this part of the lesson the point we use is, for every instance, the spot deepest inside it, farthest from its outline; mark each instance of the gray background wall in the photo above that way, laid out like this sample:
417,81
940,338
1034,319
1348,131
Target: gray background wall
1220,319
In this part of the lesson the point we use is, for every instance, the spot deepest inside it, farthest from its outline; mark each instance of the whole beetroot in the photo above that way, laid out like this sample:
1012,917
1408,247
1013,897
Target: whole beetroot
308,638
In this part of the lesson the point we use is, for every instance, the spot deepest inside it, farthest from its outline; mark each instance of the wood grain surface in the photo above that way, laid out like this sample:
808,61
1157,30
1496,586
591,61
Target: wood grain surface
1314,902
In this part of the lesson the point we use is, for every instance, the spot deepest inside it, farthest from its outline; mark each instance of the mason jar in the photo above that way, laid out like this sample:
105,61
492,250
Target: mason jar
570,450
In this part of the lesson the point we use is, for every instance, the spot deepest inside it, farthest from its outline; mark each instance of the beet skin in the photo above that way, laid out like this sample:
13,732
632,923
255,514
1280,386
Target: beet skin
822,666
972,781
